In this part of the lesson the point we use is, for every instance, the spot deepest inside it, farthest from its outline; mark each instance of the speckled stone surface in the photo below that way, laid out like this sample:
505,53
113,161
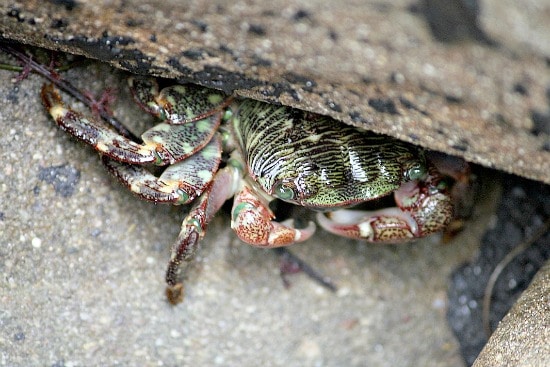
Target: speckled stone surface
363,62
82,263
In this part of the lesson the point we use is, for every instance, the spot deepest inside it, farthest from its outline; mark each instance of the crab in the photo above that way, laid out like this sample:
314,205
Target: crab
216,147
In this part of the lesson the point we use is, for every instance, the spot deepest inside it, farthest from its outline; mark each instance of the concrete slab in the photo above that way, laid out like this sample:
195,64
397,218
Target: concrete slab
480,96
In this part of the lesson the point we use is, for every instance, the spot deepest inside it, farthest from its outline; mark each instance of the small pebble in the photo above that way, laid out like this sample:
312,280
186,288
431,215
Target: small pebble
36,242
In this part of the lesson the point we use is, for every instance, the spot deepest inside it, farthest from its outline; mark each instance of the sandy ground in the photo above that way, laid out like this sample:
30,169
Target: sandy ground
82,264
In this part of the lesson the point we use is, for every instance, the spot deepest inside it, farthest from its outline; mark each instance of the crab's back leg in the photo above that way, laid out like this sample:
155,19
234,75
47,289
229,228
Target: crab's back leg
173,143
180,183
177,104
162,144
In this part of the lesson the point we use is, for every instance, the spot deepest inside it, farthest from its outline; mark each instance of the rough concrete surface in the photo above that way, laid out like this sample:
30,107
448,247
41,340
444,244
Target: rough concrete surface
82,264
481,95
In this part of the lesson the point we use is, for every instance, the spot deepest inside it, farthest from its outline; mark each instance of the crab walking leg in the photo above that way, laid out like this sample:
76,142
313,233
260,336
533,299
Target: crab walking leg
422,209
251,219
163,144
224,186
180,183
177,104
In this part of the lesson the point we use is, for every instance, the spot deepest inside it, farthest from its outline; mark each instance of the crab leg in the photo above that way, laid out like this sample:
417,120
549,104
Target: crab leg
180,183
422,208
165,143
177,104
251,219
223,186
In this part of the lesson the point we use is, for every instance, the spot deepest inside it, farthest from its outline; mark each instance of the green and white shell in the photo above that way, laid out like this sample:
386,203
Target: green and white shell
318,162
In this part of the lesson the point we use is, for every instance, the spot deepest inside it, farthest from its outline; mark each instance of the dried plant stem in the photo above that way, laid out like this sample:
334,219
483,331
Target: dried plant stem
64,85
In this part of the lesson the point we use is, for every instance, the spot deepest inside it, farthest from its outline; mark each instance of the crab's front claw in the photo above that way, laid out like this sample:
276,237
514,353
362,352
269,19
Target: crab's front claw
428,202
252,221
422,208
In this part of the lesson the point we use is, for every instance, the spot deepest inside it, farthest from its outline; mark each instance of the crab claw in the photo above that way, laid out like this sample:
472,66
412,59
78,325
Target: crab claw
251,220
423,208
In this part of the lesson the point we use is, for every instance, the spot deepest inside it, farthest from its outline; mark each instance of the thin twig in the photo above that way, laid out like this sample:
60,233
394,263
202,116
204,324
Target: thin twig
68,88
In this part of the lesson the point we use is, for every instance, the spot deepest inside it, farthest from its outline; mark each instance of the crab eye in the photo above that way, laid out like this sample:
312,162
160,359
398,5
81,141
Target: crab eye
416,172
283,191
